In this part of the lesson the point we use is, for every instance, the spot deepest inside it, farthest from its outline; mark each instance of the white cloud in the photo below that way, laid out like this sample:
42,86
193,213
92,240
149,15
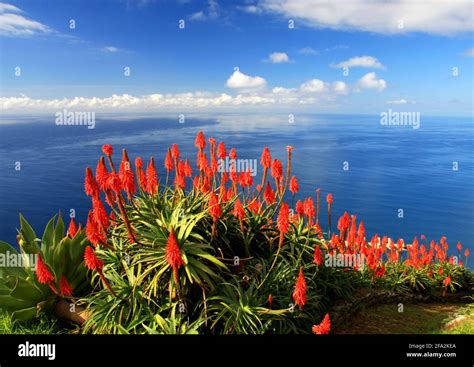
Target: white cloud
278,58
360,61
111,49
401,101
469,52
313,86
14,24
340,88
380,16
252,9
212,12
239,80
370,81
308,51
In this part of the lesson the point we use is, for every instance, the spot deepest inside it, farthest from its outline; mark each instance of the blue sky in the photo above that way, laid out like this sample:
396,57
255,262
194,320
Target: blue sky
406,65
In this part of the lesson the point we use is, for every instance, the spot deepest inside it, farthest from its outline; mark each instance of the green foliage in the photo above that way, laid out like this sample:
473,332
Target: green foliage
21,294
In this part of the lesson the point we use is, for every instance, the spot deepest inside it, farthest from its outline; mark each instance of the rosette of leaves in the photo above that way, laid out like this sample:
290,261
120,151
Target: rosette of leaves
21,294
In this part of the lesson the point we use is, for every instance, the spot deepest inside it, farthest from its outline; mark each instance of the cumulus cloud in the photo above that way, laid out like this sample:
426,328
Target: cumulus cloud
370,81
14,24
278,58
239,80
380,16
360,61
250,91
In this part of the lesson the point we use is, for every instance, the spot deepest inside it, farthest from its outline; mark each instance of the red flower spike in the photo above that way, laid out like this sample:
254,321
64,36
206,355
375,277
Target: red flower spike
277,170
283,222
72,229
459,247
173,254
214,207
269,194
107,149
329,199
101,174
324,327
114,183
270,301
221,151
466,252
169,165
239,211
188,171
447,281
233,154
91,261
90,185
294,185
42,272
175,151
200,141
299,294
266,159
300,207
318,258
64,287
151,177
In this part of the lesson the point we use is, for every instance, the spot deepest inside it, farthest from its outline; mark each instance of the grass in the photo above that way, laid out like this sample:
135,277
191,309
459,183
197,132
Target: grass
41,325
421,318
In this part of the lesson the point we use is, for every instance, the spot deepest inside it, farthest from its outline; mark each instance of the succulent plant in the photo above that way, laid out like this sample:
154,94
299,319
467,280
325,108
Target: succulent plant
44,271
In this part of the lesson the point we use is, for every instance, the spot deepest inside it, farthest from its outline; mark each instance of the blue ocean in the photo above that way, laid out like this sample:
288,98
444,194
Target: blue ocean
373,171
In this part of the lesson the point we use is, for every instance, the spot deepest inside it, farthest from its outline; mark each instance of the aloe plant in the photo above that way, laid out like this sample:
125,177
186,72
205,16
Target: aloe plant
21,292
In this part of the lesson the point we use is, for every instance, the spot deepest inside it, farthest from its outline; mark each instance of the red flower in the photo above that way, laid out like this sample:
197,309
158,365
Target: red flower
380,271
101,173
277,170
270,300
299,294
300,207
466,252
283,222
140,174
179,182
107,149
90,184
309,209
233,154
151,177
289,148
42,272
200,141
65,287
114,183
447,281
91,261
294,185
175,151
138,162
329,199
94,234
239,211
126,175
221,152
269,194
324,327
100,214
266,160
318,258
459,246
72,229
173,254
214,207
188,171
169,165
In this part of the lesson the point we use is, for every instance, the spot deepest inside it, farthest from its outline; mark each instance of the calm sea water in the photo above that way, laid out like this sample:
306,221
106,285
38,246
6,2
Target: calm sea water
390,168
